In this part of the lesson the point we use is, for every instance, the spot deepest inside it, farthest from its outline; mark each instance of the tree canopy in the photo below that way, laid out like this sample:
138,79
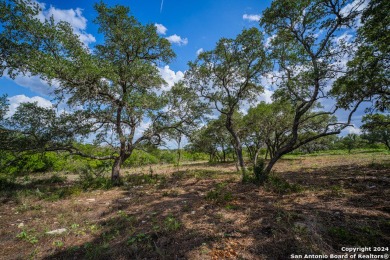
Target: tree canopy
116,86
230,76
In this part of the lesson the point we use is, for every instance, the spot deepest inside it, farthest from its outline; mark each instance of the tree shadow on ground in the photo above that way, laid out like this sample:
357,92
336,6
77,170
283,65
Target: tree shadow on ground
195,217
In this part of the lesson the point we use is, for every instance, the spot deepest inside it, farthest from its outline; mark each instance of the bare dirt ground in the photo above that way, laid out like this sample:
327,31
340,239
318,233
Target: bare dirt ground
312,205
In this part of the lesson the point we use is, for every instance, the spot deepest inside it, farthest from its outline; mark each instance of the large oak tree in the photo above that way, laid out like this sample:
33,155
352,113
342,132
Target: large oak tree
116,86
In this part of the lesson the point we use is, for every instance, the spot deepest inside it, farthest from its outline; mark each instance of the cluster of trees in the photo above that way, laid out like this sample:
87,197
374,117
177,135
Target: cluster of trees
114,92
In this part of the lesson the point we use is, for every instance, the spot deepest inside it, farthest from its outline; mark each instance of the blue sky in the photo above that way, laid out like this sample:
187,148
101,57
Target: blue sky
191,26
199,24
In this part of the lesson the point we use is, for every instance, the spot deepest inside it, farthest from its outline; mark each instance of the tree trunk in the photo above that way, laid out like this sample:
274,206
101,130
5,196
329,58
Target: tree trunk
255,157
223,153
270,165
241,159
178,151
237,146
115,174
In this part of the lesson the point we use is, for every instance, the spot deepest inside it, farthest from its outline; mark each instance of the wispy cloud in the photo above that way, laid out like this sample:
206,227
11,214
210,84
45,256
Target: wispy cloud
176,39
251,17
34,83
161,7
161,29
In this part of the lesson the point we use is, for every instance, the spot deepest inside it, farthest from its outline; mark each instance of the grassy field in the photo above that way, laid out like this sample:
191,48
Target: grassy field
313,204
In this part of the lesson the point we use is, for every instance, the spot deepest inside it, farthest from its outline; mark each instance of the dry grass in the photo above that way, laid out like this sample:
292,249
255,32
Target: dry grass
202,211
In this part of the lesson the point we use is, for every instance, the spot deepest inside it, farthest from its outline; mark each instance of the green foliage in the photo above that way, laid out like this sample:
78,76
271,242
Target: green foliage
28,163
350,141
141,238
220,194
141,179
27,236
376,128
258,170
140,158
171,224
281,186
367,76
337,191
358,235
92,181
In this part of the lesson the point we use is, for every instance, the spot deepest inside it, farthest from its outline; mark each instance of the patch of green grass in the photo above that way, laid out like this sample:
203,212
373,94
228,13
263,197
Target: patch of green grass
139,238
231,207
58,193
170,193
58,243
281,186
220,194
27,236
379,166
95,183
343,235
171,224
54,179
337,191
27,207
95,251
140,179
126,217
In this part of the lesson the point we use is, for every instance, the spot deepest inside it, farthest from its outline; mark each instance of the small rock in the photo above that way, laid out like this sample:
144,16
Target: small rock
91,199
21,225
56,231
193,212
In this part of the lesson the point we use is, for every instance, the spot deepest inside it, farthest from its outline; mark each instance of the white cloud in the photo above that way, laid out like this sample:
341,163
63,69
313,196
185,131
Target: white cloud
199,51
266,96
170,76
177,40
354,130
73,16
251,17
161,29
355,6
34,83
268,40
15,101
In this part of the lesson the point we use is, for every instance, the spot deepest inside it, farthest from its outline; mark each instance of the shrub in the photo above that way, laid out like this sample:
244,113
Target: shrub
171,224
140,158
281,186
219,194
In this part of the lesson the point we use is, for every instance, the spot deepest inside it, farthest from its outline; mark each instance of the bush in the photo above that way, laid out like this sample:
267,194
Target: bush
219,194
140,158
258,171
91,178
259,176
